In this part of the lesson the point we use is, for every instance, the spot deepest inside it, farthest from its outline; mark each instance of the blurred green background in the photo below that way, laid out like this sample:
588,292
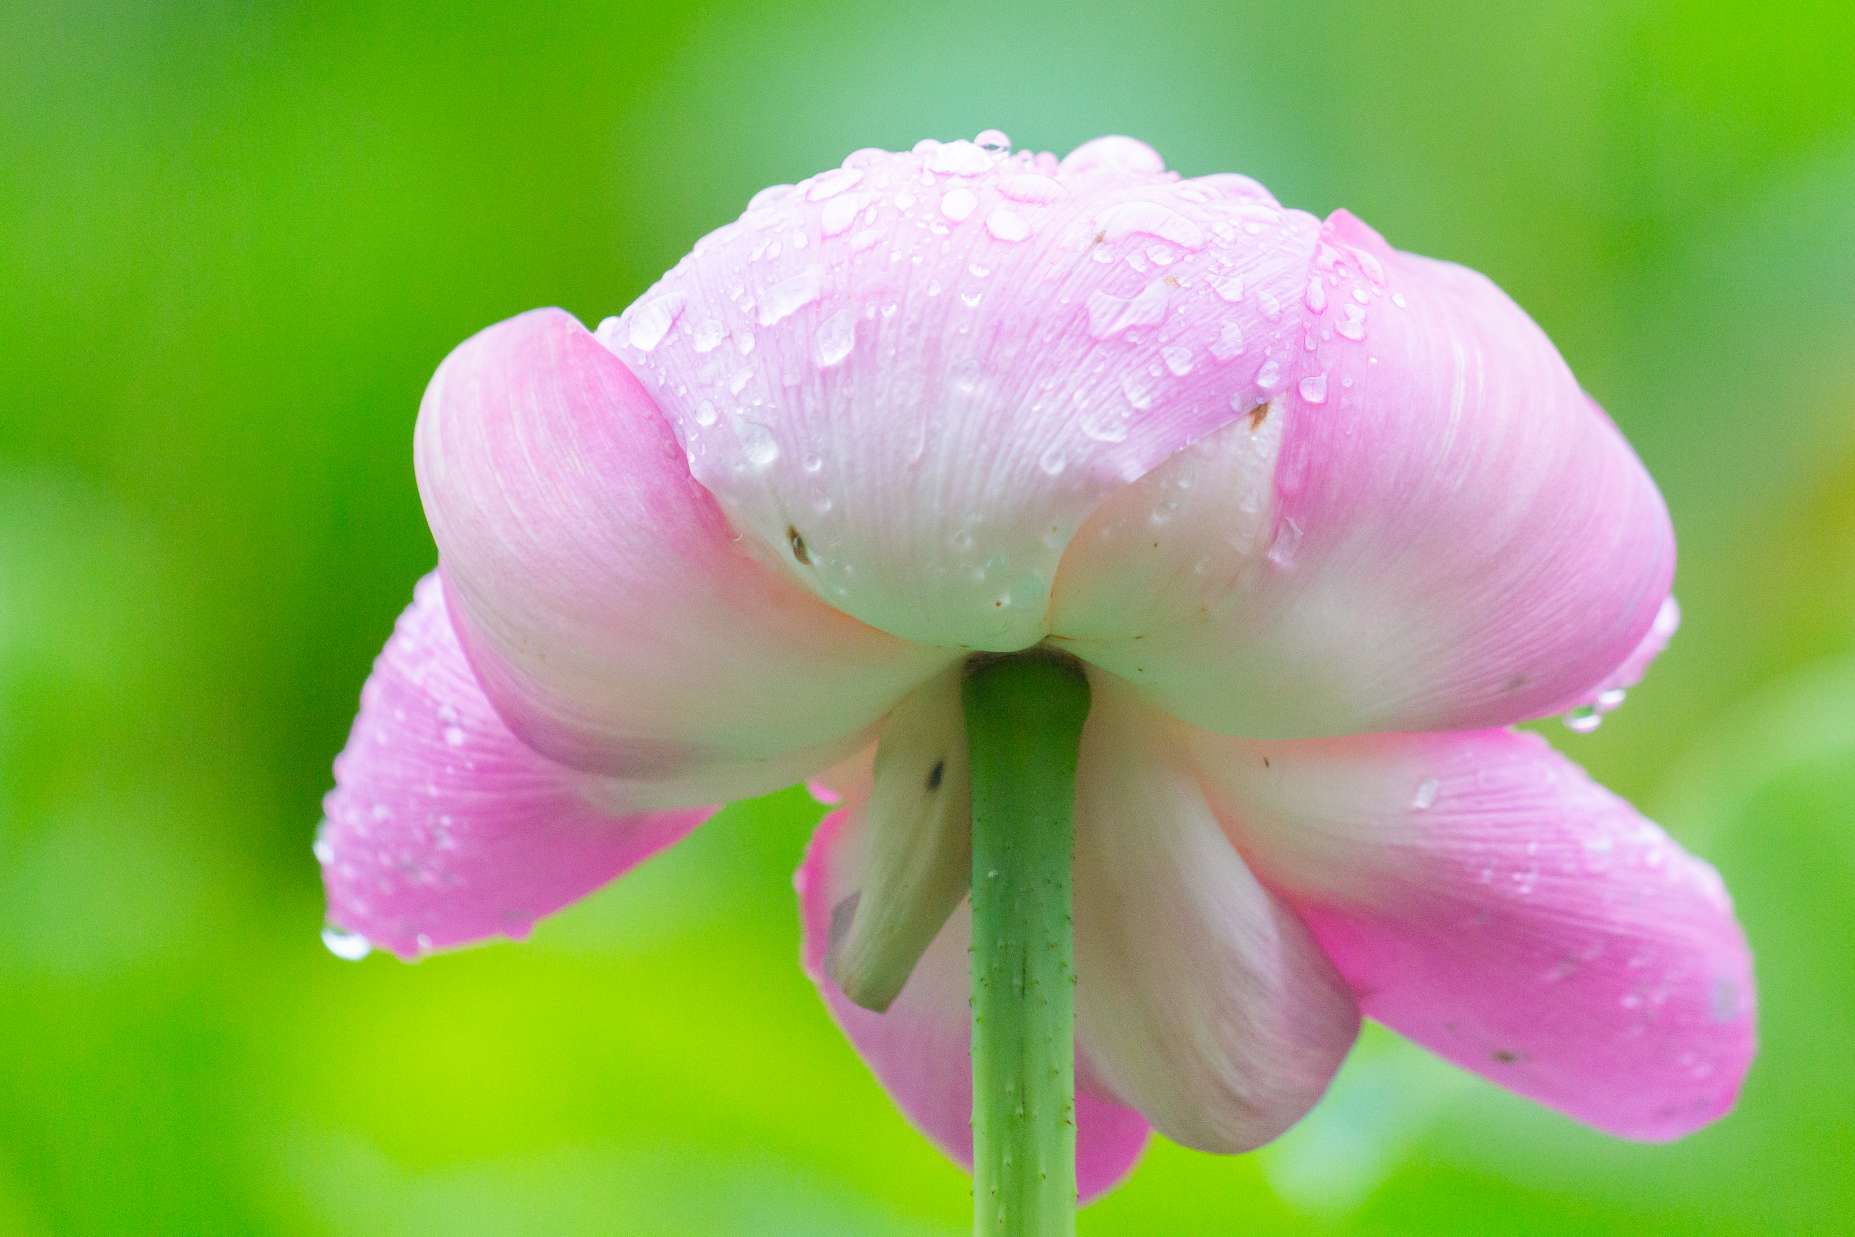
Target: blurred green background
235,239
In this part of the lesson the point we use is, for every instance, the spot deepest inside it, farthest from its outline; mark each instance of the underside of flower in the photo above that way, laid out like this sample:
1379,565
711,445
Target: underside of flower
1317,519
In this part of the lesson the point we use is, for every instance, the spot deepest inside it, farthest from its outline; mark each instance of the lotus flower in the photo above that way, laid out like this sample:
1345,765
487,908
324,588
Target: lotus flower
1322,519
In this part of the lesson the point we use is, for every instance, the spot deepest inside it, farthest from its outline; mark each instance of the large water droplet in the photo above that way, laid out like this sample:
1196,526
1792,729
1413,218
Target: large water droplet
1269,374
1317,295
1007,225
758,446
840,212
651,320
960,159
1229,342
830,184
1030,187
1313,388
1110,314
836,336
958,203
1151,219
993,141
787,297
346,945
1352,323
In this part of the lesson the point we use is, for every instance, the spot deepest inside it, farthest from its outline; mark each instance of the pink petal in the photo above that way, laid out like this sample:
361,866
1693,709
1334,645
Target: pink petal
442,828
920,1048
1429,526
1487,899
933,365
613,615
1201,999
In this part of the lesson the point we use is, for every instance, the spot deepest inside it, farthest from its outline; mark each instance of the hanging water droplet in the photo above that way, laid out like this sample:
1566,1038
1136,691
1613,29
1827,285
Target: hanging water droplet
993,141
346,945
1583,719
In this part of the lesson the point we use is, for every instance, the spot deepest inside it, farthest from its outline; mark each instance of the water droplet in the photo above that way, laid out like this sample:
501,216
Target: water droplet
1007,225
1313,388
1269,374
346,945
758,445
1228,288
993,140
1178,360
1137,389
1110,315
830,184
1317,295
835,338
705,413
1286,542
1352,323
958,203
651,320
1583,719
840,212
322,848
1151,219
1271,307
1229,342
787,297
960,159
1030,187
1425,798
709,335
454,736
1053,460
1104,424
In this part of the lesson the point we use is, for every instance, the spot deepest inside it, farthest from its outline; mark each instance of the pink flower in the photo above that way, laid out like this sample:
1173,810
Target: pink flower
1322,518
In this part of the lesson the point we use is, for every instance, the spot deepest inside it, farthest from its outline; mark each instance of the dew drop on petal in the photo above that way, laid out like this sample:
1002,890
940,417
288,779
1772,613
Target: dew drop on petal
1313,388
832,183
959,159
1583,719
1269,374
1151,219
1178,360
1352,323
1228,288
958,203
1425,798
993,140
651,320
836,336
840,212
1007,225
346,945
709,335
757,444
1316,295
1032,188
1229,342
787,297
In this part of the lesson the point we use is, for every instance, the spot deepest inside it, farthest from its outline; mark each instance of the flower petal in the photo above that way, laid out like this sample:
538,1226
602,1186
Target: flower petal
1454,535
610,611
1201,999
920,1048
934,364
915,835
1487,899
442,828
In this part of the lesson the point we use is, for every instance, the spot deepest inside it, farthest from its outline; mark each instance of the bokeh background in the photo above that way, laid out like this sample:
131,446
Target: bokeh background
235,239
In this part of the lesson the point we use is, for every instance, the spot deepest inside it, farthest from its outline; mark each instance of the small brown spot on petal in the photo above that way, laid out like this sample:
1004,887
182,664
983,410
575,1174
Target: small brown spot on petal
1258,415
797,543
1100,237
1504,1057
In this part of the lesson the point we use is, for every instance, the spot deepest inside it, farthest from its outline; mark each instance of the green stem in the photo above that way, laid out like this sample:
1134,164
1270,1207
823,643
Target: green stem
1024,716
